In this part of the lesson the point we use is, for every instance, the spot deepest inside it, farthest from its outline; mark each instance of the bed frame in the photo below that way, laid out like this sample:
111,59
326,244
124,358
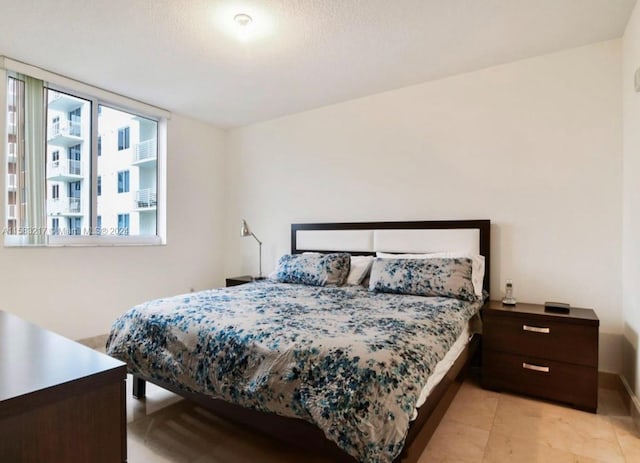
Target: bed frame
300,433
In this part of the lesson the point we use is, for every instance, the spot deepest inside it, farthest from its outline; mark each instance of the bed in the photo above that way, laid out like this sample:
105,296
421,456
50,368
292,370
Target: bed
342,369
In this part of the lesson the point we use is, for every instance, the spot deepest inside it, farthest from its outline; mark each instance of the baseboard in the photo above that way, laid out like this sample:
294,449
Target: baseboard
96,342
630,398
611,381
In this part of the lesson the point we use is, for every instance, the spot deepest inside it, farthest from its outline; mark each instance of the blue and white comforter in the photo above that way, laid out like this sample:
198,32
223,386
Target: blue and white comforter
348,360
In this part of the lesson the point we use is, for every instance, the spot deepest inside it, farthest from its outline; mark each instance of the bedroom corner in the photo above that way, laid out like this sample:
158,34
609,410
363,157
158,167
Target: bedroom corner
631,207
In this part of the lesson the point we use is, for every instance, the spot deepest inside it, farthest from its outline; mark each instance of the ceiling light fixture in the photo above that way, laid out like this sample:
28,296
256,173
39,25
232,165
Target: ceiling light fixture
243,19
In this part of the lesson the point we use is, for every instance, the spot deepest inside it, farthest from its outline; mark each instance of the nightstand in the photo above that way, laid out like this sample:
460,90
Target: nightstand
241,280
544,354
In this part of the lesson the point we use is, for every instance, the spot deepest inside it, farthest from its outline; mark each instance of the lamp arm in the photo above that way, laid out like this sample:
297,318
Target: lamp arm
259,242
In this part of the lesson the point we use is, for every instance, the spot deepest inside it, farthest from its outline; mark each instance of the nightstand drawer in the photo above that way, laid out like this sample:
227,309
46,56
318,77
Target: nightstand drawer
574,384
559,341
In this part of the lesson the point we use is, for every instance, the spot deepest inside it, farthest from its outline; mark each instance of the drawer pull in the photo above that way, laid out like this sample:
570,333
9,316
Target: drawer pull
536,329
529,366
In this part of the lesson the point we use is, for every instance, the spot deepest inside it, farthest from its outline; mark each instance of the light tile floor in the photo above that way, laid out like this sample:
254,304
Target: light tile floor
480,427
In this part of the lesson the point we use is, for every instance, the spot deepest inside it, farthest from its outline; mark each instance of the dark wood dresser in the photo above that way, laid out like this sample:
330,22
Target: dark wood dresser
548,355
60,401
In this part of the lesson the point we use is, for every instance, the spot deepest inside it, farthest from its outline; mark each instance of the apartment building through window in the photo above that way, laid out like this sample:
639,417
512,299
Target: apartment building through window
84,140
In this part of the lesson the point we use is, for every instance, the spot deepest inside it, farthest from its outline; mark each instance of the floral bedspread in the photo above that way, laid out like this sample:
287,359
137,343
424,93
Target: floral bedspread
352,362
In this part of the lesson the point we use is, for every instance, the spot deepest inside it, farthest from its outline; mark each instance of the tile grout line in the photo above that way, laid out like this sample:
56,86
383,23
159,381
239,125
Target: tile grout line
615,433
493,421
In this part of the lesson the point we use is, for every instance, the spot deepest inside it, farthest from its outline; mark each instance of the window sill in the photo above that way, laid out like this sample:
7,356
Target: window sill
83,241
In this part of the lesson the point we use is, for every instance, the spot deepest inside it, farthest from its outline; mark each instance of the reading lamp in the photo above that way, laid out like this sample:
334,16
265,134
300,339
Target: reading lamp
244,232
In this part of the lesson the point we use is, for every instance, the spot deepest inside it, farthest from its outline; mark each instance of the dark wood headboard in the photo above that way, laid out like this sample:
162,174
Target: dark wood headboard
483,226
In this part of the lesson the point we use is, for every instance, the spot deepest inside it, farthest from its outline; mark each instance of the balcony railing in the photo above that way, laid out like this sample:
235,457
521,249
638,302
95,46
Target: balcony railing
65,128
12,181
146,150
63,206
54,96
146,198
64,167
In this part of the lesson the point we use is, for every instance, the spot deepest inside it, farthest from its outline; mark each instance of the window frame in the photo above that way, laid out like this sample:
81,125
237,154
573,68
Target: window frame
98,97
124,217
125,132
124,181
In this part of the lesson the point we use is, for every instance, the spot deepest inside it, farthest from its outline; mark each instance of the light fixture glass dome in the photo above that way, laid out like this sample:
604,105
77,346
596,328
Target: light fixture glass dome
243,19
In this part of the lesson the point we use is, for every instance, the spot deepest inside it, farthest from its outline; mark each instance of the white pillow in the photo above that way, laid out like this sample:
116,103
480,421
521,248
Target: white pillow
477,264
360,266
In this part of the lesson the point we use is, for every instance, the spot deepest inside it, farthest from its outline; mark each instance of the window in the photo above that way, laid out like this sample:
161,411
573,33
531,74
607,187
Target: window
75,224
74,189
123,139
12,120
61,163
123,181
123,224
75,153
75,122
55,126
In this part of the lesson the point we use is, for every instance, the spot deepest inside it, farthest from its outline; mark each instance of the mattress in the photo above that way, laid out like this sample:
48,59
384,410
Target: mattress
442,367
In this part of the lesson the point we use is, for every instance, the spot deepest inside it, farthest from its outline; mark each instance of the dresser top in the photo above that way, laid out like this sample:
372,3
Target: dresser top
33,359
523,309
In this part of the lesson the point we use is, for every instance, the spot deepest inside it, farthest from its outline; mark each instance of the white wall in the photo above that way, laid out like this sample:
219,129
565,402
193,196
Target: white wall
631,242
534,145
79,292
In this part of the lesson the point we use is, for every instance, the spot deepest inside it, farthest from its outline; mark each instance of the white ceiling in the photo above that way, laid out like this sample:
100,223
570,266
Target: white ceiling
186,55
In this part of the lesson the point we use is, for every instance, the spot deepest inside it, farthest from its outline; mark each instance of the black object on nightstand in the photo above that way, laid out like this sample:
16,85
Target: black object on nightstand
550,355
557,307
241,280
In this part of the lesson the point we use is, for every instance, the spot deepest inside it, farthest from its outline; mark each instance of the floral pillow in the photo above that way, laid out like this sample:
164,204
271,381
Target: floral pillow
314,269
338,266
448,277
